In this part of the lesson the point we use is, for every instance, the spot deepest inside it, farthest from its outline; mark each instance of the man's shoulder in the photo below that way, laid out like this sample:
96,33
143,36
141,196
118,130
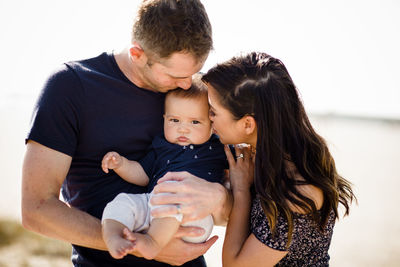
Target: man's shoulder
91,64
65,71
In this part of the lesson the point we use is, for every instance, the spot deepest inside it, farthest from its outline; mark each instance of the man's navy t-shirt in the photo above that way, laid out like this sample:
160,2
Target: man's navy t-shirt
86,109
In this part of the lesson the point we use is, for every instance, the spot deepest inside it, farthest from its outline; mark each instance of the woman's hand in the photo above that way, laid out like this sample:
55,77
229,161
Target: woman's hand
194,197
241,170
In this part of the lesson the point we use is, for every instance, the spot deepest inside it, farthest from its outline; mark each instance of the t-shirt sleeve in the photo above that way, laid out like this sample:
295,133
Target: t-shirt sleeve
147,162
55,118
262,231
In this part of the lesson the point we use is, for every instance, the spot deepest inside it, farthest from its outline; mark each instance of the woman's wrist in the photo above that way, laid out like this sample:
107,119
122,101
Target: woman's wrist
241,191
240,187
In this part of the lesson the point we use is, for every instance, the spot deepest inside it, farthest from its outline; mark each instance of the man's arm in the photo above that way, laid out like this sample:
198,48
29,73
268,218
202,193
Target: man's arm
43,173
177,252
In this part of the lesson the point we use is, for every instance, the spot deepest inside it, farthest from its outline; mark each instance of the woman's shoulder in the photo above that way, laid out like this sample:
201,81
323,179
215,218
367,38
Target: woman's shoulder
310,191
278,239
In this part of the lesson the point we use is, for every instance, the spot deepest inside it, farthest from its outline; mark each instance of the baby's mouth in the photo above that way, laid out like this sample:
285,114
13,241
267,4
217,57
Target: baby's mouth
183,139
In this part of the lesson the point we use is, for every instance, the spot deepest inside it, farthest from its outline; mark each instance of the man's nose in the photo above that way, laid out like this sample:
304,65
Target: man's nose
185,83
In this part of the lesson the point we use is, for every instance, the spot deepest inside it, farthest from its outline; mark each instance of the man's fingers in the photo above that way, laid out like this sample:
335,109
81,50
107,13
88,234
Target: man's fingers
173,176
206,245
170,187
189,231
163,211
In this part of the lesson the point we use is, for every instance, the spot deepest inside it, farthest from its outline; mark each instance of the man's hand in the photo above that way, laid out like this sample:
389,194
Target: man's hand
196,197
177,252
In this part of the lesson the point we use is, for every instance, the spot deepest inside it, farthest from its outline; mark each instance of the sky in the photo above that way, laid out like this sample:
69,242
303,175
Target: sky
342,55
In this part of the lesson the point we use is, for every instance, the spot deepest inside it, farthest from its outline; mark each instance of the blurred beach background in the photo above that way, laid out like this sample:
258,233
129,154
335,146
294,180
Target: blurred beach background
343,56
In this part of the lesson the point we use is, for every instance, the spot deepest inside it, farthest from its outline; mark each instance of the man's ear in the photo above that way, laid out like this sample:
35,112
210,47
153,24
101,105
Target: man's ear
250,125
137,54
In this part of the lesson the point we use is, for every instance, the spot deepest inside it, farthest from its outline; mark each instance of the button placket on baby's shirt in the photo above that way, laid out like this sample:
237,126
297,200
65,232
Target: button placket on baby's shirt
210,148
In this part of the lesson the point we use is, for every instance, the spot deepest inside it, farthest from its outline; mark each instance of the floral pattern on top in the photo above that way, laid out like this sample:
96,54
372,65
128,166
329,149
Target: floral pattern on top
309,245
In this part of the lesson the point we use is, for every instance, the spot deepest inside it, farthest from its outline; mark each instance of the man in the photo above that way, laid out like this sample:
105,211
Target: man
114,102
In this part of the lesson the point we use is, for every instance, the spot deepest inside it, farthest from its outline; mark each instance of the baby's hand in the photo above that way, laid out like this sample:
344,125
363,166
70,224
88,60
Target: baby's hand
112,160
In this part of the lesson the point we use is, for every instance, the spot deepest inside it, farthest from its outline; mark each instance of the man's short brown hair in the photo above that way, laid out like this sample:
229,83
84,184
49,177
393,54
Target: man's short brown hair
167,26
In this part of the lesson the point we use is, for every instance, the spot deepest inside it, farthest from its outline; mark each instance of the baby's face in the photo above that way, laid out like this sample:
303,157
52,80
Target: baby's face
186,120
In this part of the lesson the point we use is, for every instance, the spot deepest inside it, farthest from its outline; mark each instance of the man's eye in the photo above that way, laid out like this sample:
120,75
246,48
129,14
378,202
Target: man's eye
174,120
195,122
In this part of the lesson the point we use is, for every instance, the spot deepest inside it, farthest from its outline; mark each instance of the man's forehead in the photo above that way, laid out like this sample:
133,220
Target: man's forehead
183,63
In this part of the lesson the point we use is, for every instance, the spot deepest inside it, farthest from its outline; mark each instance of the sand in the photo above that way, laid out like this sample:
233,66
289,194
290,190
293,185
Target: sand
367,152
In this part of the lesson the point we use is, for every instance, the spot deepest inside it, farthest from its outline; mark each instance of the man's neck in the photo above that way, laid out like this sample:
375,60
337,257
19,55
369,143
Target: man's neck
129,68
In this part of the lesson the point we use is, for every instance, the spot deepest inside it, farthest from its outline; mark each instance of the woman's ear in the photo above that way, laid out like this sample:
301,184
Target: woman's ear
250,125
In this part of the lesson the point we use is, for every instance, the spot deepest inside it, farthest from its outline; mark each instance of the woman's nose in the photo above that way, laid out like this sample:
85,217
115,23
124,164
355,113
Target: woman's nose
210,117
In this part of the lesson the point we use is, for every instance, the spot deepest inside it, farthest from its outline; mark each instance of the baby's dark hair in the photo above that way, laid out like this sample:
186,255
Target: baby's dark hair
197,90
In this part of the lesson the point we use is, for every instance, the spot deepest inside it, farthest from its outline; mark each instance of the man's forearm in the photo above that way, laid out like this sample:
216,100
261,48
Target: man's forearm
53,218
44,171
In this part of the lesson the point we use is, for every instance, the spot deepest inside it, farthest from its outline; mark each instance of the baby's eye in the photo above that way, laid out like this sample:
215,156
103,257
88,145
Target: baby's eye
174,120
195,122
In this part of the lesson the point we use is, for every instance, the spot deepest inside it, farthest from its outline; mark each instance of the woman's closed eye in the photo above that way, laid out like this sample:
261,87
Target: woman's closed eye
211,113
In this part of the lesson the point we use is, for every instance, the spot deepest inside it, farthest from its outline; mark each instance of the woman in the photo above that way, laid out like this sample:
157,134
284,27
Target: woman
287,217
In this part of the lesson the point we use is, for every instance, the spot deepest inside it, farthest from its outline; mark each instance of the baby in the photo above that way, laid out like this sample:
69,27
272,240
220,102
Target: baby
187,145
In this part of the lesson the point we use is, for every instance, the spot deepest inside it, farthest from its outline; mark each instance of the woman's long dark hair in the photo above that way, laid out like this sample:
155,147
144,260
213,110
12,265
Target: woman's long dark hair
259,85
